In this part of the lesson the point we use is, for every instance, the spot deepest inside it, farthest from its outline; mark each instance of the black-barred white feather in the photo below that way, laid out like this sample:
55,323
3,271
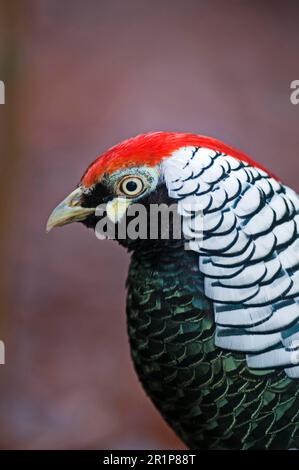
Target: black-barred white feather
248,252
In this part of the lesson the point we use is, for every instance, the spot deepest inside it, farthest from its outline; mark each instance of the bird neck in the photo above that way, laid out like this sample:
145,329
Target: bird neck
168,318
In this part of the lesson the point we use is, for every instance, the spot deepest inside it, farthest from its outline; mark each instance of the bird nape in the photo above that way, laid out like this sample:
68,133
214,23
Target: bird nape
213,314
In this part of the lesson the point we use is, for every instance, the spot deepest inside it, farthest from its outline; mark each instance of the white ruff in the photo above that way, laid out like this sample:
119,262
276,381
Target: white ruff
249,254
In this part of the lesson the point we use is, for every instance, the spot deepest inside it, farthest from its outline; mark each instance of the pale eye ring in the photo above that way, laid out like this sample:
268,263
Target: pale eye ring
131,186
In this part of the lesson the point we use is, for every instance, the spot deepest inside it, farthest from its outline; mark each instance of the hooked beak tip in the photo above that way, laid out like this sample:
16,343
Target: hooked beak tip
68,211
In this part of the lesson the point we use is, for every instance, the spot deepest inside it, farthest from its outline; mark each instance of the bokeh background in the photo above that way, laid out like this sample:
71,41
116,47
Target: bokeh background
81,76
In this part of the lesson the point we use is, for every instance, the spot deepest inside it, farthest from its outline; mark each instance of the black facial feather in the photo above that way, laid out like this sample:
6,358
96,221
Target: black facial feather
158,196
101,194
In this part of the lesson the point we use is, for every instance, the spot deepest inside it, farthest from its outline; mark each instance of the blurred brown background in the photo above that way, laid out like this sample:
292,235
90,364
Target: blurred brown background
81,76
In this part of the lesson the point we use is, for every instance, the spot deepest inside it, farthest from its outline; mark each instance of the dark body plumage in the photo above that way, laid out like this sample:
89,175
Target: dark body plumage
207,395
236,287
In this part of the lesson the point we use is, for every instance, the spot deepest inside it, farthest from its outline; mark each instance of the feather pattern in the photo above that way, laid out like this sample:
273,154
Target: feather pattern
248,252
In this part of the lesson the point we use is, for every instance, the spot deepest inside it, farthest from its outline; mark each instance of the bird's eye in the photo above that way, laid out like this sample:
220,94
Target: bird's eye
131,186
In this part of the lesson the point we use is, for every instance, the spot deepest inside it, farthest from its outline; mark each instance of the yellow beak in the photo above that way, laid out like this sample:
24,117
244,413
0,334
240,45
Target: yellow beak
69,210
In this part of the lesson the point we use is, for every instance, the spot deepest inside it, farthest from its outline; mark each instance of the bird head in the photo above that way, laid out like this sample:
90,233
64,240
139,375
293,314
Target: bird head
130,172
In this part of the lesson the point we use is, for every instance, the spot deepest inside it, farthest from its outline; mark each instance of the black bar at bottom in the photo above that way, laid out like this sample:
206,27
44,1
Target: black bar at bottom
133,458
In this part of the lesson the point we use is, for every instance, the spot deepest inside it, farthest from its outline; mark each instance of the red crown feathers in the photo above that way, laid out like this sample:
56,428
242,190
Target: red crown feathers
150,149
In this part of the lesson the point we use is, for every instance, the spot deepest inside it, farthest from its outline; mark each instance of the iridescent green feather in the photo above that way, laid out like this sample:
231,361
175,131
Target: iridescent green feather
207,395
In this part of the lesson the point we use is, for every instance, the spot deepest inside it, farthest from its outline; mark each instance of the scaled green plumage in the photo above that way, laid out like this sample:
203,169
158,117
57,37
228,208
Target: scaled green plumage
207,395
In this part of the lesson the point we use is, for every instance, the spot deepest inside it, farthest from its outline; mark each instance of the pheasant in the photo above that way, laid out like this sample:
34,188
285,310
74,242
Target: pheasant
212,314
